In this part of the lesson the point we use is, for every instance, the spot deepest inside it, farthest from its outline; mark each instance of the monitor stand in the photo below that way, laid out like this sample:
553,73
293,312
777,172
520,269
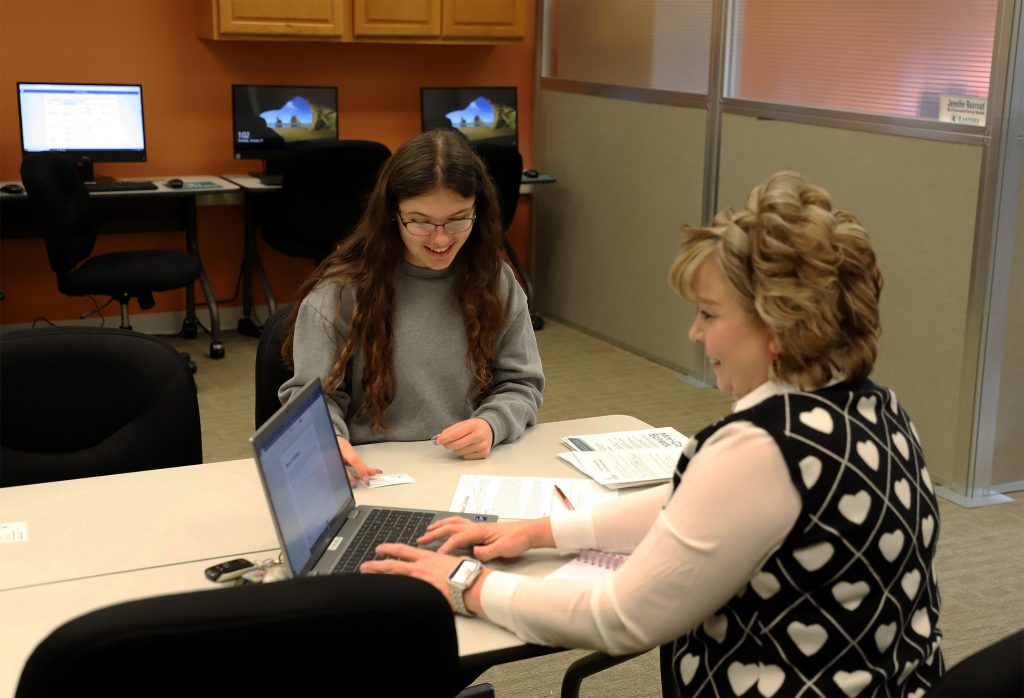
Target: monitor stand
271,174
88,174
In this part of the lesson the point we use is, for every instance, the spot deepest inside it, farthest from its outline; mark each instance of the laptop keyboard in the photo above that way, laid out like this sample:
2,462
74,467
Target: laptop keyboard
383,526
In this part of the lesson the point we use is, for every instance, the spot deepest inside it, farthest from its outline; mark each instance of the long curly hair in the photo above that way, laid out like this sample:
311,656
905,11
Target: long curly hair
806,271
367,259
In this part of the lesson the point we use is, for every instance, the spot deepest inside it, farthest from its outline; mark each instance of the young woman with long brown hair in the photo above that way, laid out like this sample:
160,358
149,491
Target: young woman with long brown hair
414,324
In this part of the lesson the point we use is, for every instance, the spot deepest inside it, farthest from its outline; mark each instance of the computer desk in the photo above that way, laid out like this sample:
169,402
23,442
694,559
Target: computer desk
160,209
255,191
97,541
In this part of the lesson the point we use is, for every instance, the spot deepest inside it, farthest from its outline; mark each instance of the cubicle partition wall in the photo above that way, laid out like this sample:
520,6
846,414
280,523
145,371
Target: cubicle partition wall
629,176
634,164
1008,449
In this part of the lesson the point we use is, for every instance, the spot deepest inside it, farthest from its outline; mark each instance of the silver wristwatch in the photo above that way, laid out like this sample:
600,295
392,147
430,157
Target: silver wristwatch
462,578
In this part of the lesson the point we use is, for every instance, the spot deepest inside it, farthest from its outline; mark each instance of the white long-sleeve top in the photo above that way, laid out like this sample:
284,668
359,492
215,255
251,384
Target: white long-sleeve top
692,550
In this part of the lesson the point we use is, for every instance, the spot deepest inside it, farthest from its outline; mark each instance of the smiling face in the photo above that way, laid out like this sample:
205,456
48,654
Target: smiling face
437,249
739,345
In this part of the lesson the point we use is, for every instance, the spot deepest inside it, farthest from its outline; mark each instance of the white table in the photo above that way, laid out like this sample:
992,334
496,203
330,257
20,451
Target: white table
98,541
120,523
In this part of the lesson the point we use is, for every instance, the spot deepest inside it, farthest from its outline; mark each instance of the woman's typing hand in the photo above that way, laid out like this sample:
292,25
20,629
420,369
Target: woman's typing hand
489,540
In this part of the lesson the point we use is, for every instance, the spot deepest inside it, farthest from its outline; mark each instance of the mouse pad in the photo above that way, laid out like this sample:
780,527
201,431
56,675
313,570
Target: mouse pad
200,185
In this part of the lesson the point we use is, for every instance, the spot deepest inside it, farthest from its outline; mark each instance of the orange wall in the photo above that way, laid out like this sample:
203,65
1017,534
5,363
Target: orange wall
186,92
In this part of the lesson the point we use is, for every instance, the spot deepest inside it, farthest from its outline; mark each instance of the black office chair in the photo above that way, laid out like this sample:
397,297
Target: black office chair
996,671
992,672
61,205
323,194
505,164
271,370
84,401
341,635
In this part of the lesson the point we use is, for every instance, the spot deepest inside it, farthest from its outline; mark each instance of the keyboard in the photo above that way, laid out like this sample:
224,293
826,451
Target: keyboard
382,526
120,185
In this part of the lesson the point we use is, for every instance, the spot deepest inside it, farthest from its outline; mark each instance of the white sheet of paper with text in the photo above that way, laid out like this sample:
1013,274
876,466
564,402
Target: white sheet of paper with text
664,437
617,469
523,497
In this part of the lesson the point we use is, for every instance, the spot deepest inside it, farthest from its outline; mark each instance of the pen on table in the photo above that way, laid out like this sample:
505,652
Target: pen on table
565,500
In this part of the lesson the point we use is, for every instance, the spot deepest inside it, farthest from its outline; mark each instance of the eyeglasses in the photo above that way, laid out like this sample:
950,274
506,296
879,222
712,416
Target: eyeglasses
456,226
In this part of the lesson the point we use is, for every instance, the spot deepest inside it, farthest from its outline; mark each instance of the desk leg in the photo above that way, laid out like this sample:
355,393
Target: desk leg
192,244
537,319
250,261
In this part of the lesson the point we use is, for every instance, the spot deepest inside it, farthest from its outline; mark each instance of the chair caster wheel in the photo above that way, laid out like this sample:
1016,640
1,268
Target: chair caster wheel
187,360
249,328
190,329
217,350
538,322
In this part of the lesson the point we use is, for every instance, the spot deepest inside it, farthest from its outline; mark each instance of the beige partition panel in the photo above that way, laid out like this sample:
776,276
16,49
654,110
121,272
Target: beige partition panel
629,175
917,200
1008,460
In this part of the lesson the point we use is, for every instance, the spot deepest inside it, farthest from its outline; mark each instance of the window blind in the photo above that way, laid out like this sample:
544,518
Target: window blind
891,57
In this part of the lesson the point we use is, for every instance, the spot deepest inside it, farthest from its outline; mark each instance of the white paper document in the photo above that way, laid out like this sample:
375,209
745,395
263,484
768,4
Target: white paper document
523,497
663,437
615,469
13,531
382,480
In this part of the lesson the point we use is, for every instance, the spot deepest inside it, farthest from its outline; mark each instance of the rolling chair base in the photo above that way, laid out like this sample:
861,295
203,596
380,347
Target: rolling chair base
249,328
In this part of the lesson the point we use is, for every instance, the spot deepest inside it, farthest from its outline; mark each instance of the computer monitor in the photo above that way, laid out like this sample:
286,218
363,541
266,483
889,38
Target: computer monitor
480,113
268,121
89,122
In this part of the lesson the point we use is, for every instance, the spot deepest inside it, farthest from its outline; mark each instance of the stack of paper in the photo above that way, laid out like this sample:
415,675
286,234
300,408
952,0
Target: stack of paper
626,458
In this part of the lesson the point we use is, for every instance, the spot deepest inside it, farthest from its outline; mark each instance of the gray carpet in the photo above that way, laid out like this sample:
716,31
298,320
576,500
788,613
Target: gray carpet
980,561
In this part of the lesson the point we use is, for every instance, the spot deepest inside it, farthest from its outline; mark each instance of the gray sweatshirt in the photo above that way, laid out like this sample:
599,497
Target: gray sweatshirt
433,387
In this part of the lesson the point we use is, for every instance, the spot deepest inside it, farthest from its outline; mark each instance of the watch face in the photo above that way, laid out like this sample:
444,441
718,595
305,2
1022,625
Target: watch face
462,572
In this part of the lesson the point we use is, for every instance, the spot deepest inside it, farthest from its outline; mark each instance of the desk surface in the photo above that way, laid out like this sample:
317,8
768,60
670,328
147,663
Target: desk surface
252,183
98,541
193,185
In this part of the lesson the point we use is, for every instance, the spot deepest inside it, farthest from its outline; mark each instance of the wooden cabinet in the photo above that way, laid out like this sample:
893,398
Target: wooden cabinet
483,19
396,18
271,19
416,21
440,21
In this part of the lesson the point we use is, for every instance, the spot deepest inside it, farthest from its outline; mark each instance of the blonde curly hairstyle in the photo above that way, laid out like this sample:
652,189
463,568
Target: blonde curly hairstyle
806,271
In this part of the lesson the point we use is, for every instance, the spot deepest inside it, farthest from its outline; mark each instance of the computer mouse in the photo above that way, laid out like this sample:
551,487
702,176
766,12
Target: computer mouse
174,183
531,173
12,189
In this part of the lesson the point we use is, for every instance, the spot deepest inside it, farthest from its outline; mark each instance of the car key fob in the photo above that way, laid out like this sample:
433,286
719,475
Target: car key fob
231,569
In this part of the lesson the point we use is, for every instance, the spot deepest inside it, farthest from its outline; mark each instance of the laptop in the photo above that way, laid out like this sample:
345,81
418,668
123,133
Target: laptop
311,501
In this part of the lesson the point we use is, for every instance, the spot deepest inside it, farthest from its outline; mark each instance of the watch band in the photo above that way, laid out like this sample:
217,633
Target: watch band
459,586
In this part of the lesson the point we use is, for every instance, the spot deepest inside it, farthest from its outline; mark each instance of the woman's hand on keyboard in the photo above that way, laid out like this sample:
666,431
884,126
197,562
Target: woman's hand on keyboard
433,568
489,540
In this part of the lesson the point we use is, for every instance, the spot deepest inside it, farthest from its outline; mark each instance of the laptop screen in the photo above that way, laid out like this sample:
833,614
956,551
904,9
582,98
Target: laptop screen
304,475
